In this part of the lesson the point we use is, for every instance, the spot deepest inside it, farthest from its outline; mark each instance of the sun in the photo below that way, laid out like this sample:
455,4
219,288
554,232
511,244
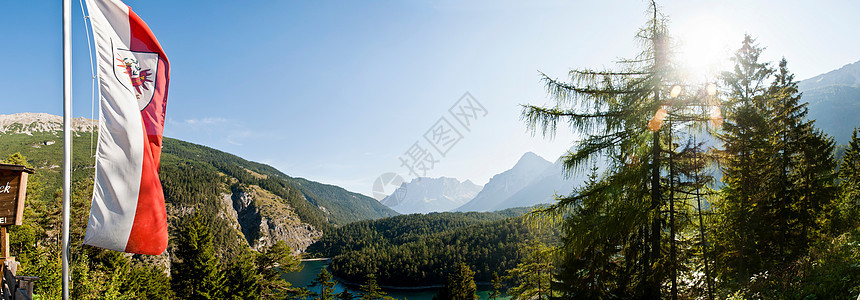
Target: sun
704,47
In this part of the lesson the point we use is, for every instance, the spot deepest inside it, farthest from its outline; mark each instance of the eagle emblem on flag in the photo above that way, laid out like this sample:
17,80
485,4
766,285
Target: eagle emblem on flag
139,78
136,71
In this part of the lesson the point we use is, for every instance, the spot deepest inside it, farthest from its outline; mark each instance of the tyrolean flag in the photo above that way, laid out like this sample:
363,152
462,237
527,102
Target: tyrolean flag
128,211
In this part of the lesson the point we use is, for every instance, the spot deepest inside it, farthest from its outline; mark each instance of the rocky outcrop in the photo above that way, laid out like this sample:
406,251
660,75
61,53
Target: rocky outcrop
27,123
265,219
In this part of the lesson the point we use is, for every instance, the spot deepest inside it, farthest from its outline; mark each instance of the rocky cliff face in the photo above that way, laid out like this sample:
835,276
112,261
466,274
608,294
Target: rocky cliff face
264,219
27,123
258,217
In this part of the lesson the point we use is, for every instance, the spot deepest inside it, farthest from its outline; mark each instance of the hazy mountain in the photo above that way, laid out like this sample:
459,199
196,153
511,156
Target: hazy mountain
506,184
425,195
834,101
543,188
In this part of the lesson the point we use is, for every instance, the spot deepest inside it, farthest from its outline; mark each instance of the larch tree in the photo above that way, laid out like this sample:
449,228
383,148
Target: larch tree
615,226
532,278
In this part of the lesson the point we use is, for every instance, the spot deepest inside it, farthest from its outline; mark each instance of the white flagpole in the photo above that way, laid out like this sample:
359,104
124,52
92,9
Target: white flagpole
67,137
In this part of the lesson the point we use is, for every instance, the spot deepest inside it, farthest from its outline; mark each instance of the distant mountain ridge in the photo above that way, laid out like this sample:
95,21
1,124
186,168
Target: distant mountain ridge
834,101
540,187
847,75
531,181
426,195
504,185
27,123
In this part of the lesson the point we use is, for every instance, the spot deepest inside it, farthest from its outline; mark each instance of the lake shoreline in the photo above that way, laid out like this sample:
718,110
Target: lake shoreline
316,259
404,288
312,267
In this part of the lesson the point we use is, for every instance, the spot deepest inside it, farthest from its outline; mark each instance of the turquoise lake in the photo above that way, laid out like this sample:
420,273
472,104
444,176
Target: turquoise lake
310,269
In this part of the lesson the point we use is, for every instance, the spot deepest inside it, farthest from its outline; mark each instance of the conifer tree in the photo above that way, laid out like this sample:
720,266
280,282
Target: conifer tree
243,281
17,159
370,289
611,111
326,285
746,163
194,271
277,259
849,185
497,287
778,171
806,170
460,285
345,295
533,277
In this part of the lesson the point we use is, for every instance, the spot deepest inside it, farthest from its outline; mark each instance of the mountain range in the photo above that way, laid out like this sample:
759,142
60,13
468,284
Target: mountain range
424,195
833,102
531,181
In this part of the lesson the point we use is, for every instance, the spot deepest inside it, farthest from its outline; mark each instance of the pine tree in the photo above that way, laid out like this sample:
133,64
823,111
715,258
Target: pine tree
326,285
498,285
370,290
194,271
243,281
746,163
533,277
778,170
277,259
611,109
849,186
345,295
17,159
460,285
806,170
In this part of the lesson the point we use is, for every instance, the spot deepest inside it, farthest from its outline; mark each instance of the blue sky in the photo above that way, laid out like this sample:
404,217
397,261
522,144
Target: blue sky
338,91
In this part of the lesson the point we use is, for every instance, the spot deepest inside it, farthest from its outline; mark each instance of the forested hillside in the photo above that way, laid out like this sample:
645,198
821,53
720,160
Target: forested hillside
420,250
246,209
318,204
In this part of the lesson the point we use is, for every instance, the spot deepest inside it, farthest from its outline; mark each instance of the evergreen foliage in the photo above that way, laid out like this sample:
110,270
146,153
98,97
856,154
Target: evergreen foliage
778,171
304,196
848,205
326,285
195,272
370,290
459,285
276,260
242,280
498,285
617,222
420,249
192,182
532,278
345,295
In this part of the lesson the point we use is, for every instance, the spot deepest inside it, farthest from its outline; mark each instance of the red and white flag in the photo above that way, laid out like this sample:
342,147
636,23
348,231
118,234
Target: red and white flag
128,211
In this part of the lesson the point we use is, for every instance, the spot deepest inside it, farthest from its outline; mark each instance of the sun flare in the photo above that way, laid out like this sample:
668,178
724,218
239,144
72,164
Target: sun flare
705,47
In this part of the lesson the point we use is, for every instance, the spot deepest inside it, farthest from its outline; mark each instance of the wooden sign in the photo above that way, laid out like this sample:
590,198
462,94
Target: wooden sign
13,190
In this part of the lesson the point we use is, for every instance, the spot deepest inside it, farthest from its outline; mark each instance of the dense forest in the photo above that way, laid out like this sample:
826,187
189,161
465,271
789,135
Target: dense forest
195,181
419,250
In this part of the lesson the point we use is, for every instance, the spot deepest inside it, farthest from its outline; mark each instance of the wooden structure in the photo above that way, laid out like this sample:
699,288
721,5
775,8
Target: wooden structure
13,192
